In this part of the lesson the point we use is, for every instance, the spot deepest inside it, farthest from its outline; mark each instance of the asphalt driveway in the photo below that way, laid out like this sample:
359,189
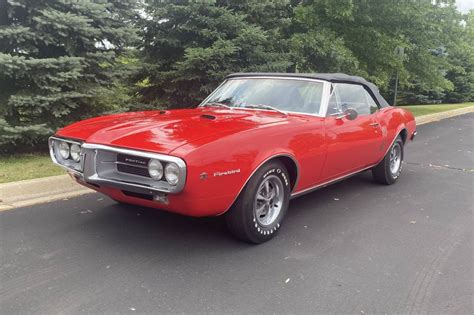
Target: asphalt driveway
354,247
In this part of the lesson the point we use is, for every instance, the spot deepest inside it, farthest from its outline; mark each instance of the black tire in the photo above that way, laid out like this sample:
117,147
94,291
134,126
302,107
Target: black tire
383,173
242,219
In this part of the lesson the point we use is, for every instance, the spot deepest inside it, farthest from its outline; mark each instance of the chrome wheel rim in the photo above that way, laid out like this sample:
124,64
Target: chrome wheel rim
268,200
395,159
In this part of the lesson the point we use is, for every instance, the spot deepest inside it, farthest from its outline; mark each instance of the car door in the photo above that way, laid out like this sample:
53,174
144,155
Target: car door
351,144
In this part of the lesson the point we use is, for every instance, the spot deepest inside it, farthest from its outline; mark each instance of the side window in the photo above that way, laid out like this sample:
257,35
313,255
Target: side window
354,96
333,106
373,106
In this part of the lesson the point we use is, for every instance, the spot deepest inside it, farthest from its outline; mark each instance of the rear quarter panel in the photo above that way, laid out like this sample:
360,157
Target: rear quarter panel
393,121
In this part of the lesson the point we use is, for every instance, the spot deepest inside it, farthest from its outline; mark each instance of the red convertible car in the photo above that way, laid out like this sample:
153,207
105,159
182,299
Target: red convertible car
257,141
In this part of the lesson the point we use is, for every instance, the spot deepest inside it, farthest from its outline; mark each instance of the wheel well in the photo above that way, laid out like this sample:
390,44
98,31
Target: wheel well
404,135
291,167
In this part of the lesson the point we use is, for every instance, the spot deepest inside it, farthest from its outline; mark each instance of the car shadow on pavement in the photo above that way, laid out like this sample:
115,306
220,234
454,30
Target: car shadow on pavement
149,229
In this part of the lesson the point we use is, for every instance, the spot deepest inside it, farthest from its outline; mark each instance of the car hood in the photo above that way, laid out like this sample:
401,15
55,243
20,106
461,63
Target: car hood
164,131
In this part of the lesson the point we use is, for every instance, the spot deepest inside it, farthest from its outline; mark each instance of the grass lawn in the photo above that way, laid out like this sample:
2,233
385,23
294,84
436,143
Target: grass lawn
420,110
27,166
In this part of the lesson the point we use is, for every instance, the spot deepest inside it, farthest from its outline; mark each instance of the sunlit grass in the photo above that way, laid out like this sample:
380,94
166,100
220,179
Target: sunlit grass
27,166
420,110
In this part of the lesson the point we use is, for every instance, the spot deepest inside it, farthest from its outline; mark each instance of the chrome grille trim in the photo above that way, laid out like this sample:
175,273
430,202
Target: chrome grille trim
134,165
100,167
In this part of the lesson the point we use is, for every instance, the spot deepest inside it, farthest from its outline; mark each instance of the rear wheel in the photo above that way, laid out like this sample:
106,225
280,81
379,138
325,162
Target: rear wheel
388,171
260,208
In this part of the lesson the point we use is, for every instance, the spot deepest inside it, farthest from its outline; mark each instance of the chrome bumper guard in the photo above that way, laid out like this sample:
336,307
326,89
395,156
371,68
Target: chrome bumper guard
99,165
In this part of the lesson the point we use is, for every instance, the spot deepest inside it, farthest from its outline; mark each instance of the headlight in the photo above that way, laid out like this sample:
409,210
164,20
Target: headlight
172,173
155,169
63,148
75,152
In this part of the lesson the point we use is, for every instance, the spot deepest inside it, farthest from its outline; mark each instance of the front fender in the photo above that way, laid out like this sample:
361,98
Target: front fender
221,168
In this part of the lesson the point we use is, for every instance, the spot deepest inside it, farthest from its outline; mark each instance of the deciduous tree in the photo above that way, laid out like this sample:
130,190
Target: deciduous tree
360,37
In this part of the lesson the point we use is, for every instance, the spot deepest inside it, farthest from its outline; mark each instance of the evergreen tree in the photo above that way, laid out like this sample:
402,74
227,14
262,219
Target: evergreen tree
189,47
57,57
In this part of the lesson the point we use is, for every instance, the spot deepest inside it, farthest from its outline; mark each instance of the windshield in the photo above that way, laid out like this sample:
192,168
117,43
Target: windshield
289,95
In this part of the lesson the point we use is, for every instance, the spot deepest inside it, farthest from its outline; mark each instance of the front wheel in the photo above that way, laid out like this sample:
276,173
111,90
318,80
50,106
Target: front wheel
260,208
388,171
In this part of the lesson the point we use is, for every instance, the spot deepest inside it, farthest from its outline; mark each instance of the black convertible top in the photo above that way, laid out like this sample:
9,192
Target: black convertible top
331,77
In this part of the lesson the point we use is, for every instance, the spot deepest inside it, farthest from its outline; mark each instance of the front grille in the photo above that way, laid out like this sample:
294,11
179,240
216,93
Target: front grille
128,169
133,160
130,164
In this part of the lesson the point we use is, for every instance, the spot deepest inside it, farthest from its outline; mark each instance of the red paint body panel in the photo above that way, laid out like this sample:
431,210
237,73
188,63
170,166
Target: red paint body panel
322,148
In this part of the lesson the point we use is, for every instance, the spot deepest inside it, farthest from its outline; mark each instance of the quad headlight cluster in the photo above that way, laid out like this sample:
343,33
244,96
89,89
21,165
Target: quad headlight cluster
170,171
69,151
66,153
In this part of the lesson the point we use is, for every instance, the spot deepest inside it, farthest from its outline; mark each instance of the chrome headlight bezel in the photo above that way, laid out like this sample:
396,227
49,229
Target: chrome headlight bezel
69,163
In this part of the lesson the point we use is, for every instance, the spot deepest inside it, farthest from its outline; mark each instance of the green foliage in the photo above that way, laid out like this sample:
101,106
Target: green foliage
360,37
57,59
189,47
64,60
461,59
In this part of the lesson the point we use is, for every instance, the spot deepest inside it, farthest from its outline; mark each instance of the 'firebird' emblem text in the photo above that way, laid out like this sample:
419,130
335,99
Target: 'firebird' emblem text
229,172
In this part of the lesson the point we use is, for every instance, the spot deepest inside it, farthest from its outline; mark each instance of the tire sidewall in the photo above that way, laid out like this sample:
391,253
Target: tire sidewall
389,174
260,233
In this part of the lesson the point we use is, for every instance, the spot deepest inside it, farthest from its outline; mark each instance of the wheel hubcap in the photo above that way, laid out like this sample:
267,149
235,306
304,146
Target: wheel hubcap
268,200
395,158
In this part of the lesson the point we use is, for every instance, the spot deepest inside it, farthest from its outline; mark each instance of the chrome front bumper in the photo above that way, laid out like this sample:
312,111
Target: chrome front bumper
99,167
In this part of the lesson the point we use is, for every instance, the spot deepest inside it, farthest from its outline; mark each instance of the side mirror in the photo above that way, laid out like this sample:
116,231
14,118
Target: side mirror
350,114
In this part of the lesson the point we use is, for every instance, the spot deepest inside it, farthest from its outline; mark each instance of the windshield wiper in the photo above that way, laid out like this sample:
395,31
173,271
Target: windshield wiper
216,104
263,106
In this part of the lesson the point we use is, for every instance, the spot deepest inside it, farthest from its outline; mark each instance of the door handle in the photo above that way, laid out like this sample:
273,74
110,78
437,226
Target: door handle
375,124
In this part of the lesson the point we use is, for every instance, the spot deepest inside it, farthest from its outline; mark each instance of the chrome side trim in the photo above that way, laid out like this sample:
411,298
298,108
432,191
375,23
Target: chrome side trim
332,181
260,165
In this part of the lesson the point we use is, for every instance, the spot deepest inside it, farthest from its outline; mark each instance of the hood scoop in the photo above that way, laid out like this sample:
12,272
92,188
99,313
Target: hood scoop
208,117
